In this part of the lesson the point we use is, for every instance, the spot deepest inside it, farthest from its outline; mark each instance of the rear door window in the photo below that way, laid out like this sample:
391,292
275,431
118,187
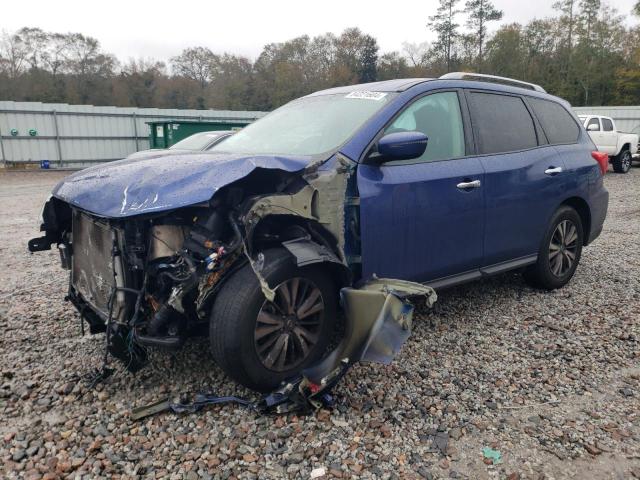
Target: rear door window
558,124
502,123
607,125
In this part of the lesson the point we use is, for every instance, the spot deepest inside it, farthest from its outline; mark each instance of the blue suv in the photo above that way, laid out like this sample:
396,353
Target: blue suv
436,181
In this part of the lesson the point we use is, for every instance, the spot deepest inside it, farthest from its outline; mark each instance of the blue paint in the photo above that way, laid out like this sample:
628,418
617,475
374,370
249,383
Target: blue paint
415,224
520,200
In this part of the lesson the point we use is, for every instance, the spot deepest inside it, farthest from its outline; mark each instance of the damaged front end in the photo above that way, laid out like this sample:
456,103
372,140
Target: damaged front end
148,267
150,279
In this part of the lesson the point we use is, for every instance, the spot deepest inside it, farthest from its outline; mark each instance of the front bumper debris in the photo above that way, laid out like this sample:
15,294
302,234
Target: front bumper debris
378,323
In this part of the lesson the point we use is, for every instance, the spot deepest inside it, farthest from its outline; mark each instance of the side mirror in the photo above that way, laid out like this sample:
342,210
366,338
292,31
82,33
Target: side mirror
593,128
400,146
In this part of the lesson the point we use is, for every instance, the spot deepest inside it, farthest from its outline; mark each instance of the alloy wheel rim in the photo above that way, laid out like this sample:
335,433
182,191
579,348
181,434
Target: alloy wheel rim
288,328
563,248
626,161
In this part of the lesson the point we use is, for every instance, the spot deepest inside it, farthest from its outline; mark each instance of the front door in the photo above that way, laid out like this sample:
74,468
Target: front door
595,132
609,136
423,219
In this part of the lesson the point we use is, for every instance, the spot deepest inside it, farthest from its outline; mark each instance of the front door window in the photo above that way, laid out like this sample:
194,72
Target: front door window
438,116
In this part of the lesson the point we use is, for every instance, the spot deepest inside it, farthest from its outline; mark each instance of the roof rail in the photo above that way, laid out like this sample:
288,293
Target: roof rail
479,77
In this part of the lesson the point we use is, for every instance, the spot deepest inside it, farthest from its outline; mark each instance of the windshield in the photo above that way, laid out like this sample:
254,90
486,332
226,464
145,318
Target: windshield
196,142
307,126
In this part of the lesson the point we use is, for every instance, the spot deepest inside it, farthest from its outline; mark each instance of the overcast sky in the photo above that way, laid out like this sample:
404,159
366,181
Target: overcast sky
161,29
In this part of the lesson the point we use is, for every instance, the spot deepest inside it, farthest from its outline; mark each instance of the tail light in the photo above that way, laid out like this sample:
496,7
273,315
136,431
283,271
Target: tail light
602,159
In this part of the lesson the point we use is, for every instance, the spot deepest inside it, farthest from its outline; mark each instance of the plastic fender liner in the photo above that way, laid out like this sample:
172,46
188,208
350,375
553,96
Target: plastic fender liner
378,316
307,252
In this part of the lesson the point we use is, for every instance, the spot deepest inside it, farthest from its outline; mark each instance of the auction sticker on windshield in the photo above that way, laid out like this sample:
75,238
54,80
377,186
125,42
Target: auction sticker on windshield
365,95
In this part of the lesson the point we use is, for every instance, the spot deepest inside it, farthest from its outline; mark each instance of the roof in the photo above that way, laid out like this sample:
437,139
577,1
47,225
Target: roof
397,85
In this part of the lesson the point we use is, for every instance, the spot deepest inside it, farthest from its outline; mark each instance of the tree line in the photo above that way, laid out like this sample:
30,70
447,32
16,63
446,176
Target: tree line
584,53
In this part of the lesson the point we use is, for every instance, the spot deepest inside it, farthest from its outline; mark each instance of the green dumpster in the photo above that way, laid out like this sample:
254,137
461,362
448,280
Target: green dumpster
165,133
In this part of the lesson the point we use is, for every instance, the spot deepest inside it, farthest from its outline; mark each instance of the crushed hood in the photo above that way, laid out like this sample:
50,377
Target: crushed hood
137,186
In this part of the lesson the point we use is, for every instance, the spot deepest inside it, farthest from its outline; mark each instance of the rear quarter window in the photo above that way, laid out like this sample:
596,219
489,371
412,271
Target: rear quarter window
558,124
502,123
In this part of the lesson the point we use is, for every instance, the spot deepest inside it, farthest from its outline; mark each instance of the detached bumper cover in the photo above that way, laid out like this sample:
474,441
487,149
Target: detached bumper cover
379,316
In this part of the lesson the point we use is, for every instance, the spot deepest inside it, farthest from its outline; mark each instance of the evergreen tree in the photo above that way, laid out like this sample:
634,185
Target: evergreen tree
480,12
444,23
567,9
588,16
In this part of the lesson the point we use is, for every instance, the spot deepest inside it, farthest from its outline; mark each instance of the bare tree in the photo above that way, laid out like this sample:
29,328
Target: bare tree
196,64
54,56
34,41
416,53
13,55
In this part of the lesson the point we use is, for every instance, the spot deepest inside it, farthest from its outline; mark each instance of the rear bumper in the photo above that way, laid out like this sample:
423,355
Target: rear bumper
599,207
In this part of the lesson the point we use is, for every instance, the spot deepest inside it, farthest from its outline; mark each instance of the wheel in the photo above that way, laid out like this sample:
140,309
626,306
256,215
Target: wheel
622,161
260,343
559,253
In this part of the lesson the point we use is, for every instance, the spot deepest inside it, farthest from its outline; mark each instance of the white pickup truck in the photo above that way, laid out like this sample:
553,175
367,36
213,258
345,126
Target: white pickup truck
621,147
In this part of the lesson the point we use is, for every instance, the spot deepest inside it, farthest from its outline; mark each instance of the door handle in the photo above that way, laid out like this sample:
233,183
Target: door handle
468,185
553,170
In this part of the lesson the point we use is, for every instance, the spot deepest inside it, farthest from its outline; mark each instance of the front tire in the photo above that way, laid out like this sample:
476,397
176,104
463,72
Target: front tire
622,161
260,343
559,253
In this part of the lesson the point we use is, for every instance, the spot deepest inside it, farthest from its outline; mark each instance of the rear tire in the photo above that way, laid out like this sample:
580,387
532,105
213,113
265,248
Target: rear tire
559,252
241,316
622,161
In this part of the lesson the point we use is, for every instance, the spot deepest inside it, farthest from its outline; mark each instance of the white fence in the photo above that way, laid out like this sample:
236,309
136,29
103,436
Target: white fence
79,135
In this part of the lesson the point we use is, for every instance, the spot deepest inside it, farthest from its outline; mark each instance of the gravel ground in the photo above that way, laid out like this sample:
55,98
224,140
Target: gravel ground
550,380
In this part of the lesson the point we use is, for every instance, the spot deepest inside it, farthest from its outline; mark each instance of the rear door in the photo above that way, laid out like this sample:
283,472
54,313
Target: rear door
423,219
523,177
